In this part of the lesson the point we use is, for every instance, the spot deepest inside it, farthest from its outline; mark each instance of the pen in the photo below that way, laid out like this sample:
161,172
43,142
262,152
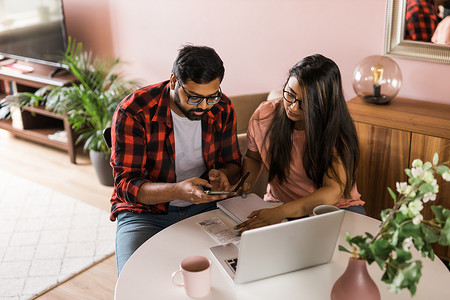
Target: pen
241,183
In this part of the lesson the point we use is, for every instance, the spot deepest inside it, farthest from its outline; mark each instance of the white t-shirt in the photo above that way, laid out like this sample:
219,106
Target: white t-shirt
188,151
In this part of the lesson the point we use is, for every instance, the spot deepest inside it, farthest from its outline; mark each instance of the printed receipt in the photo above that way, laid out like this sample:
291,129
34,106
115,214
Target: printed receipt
217,229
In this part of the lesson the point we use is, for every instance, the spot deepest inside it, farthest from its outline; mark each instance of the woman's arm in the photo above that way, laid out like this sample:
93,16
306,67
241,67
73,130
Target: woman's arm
251,163
330,193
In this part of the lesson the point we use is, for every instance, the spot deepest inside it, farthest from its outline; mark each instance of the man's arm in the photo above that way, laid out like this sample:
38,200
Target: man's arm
152,193
190,190
253,164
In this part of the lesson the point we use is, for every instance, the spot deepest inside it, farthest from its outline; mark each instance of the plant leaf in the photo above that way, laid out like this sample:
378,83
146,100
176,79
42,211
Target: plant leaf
405,275
402,255
444,238
441,214
392,194
435,159
414,181
408,172
342,248
442,169
430,234
426,188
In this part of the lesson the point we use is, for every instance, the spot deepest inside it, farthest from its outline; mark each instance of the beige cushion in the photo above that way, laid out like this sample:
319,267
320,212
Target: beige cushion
244,106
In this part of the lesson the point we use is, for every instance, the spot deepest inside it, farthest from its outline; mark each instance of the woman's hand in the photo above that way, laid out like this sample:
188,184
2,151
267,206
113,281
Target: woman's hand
260,218
243,191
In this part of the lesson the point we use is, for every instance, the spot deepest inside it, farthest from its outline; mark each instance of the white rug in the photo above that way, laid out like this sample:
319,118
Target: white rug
46,237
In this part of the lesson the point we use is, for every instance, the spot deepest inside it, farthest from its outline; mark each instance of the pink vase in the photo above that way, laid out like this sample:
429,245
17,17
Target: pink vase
355,283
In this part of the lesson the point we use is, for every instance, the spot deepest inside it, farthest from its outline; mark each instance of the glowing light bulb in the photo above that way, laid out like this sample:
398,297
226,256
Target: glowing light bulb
377,79
377,76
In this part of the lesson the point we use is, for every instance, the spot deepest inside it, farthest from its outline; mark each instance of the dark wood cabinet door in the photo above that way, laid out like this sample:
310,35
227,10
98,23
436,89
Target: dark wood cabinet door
384,156
424,147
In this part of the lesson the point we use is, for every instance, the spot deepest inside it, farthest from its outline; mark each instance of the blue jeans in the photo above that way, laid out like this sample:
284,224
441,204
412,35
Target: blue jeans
134,229
357,209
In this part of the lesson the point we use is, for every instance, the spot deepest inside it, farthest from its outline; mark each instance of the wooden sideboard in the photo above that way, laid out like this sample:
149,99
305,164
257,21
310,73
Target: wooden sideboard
391,136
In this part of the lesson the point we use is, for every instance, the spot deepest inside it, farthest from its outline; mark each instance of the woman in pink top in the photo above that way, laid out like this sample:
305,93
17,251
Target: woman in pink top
308,142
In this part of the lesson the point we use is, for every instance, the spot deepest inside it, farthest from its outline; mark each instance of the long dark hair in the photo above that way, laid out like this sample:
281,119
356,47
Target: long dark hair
329,129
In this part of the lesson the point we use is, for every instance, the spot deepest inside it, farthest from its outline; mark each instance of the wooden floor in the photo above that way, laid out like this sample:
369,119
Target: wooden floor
52,168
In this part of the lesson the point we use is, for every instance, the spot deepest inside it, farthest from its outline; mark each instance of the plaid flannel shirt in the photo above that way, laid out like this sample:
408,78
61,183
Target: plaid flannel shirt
421,20
143,145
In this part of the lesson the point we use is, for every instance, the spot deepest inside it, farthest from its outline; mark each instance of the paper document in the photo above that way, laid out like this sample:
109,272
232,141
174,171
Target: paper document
238,208
217,229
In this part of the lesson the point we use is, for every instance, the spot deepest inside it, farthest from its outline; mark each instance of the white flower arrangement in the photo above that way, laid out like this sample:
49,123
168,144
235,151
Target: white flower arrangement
403,227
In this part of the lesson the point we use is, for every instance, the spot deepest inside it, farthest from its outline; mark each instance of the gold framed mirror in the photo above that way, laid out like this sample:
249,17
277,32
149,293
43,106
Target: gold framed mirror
396,45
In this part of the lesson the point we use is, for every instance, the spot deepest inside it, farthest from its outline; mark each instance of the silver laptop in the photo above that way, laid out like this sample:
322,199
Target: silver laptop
281,248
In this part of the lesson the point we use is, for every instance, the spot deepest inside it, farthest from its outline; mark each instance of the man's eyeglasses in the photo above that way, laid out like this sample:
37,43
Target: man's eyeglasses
196,100
291,99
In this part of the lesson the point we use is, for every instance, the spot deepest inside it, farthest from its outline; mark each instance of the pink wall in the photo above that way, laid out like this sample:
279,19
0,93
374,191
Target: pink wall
259,40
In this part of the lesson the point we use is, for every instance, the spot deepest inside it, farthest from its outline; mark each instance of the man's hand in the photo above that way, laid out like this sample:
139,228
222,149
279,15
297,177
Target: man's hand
190,190
218,180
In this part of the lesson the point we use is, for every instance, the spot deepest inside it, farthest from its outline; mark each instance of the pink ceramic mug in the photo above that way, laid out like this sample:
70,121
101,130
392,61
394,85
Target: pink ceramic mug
196,273
323,209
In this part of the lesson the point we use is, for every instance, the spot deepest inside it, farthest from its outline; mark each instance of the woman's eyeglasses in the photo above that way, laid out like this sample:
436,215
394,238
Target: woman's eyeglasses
289,97
196,100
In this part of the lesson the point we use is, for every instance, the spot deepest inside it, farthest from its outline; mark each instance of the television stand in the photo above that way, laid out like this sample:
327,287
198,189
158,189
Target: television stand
35,123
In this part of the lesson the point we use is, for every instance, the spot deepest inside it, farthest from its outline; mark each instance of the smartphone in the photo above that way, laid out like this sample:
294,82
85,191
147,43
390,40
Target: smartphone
208,192
218,192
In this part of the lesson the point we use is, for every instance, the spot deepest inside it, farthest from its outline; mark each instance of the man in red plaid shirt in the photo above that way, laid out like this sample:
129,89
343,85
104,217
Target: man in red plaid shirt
170,141
421,20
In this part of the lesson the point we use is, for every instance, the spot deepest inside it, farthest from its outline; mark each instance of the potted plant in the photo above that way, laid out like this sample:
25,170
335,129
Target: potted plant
89,103
402,227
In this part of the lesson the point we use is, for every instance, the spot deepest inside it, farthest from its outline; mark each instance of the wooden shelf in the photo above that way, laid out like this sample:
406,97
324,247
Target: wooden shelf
36,135
42,111
37,122
40,77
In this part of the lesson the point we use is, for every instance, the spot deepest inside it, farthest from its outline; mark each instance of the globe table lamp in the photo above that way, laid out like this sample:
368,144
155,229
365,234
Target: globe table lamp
377,79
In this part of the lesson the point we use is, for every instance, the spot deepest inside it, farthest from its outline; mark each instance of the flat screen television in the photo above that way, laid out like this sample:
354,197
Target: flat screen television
33,30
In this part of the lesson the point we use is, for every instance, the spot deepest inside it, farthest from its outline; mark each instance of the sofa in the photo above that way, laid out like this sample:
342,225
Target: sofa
244,106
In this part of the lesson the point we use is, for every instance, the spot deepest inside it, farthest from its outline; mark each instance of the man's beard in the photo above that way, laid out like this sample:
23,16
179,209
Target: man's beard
188,113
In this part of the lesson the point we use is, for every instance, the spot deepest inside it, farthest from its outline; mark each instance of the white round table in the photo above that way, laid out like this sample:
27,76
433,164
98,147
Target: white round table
147,274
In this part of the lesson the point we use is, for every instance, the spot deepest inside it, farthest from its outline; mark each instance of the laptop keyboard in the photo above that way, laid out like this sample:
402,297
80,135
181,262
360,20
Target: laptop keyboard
232,263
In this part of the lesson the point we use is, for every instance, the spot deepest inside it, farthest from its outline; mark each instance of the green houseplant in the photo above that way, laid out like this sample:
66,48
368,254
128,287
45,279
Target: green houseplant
403,227
89,103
